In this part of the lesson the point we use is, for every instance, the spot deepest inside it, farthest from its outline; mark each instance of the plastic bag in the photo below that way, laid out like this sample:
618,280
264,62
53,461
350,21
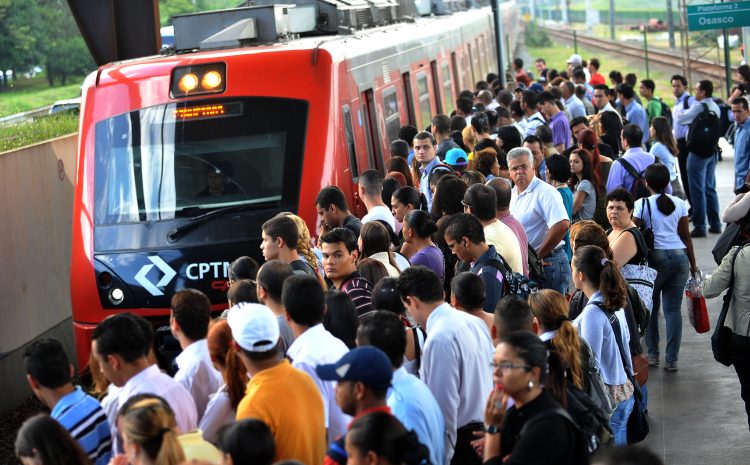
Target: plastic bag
696,303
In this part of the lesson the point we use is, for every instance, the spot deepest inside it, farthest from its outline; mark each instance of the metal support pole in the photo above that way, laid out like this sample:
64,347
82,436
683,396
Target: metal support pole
670,24
612,19
746,42
727,69
645,47
575,41
499,36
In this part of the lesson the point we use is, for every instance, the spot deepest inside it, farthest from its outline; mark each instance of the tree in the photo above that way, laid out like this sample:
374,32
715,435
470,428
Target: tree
19,21
64,52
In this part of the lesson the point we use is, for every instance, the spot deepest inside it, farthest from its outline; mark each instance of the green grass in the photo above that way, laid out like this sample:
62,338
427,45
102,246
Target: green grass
557,55
41,129
27,94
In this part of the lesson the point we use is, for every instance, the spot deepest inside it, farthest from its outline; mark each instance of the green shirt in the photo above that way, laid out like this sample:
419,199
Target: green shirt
653,109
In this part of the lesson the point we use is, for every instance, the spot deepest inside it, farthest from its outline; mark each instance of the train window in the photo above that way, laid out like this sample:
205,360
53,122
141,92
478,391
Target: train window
392,116
351,147
183,159
423,92
474,62
447,89
436,83
371,131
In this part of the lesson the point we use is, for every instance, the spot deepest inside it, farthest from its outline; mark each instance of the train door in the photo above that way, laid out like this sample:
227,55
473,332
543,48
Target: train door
441,107
408,95
374,150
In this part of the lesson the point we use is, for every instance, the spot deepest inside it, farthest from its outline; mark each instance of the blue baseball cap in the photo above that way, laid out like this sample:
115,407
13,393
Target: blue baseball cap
368,365
456,157
536,87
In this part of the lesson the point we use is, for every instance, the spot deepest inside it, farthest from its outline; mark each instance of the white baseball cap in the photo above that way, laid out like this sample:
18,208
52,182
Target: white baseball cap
254,327
575,59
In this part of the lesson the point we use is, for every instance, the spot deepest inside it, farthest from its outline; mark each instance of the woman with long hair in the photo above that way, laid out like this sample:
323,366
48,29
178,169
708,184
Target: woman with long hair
41,440
400,165
372,270
381,439
403,201
375,243
385,296
550,309
340,318
222,405
584,182
149,434
665,149
601,282
673,258
485,161
610,129
600,166
470,141
418,231
304,247
527,372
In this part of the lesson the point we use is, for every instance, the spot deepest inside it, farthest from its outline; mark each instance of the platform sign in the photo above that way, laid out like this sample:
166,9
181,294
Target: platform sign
718,15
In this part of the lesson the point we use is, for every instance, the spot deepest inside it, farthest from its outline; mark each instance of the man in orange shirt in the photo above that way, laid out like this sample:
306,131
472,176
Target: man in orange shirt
284,398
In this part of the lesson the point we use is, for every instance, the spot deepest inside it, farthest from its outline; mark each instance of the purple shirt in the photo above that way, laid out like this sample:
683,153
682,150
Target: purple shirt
619,176
432,258
560,129
523,241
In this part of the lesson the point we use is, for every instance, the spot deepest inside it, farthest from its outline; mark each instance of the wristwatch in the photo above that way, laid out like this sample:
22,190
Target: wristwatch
492,429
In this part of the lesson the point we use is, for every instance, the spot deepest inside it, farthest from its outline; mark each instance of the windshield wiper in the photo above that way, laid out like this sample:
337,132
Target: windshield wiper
179,231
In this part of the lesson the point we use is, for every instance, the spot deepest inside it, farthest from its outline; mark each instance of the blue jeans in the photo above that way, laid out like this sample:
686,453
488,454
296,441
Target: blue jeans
619,421
673,270
557,273
703,198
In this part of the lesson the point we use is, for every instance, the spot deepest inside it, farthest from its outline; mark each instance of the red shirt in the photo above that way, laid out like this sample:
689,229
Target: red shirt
596,79
523,78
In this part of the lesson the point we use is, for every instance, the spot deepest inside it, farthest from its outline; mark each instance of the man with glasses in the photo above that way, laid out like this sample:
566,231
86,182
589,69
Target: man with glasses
464,235
540,209
425,152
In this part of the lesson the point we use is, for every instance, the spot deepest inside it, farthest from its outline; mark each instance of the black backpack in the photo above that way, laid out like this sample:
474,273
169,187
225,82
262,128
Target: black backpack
704,133
581,450
590,419
639,189
665,110
502,266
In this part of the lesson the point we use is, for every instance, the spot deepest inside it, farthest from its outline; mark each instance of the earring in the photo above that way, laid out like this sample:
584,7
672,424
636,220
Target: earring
531,385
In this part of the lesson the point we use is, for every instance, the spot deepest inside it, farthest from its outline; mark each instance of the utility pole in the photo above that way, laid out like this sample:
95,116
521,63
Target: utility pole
612,19
727,69
499,37
670,24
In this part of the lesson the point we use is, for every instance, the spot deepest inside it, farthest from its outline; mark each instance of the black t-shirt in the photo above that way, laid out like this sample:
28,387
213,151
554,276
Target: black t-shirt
352,223
300,266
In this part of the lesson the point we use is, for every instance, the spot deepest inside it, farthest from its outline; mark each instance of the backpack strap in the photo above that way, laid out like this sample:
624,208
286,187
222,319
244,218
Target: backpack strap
629,168
558,412
686,102
615,324
502,266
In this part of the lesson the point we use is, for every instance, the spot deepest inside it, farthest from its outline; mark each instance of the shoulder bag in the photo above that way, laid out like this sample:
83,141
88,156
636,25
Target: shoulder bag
721,339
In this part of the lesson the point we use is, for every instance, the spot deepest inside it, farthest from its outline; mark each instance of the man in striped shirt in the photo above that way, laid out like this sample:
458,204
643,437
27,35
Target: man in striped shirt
49,374
340,254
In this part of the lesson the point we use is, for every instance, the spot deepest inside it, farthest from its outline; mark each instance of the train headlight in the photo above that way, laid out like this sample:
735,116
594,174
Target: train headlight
188,83
211,80
198,79
116,296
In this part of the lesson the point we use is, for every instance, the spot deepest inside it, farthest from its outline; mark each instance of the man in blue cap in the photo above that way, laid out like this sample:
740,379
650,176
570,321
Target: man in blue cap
363,376
457,159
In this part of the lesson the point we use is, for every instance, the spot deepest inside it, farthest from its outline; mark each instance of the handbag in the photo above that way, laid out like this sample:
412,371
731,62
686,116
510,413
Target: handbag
721,339
697,312
726,241
536,268
647,232
637,422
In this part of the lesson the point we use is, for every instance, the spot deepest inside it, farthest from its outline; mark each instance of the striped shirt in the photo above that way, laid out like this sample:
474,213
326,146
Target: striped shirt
84,418
360,291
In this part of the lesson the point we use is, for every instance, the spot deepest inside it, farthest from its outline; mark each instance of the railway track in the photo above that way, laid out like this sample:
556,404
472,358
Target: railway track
705,68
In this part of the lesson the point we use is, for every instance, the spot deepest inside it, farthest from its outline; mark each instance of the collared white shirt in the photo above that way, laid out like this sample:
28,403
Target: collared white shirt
219,413
197,374
533,122
609,107
152,381
537,208
461,379
314,347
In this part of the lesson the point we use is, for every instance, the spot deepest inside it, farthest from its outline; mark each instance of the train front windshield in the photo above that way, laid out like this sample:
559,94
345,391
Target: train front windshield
184,159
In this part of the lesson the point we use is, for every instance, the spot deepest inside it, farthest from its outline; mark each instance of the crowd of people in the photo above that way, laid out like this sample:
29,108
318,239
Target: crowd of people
488,308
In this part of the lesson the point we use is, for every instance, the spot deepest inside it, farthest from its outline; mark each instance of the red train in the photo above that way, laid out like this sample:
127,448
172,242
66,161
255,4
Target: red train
183,156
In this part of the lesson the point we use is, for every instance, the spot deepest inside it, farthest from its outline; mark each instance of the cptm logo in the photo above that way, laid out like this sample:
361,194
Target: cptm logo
141,278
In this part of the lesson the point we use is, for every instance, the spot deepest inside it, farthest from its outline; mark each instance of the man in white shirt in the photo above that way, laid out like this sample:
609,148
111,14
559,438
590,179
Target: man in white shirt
572,103
120,345
456,354
304,304
370,191
188,322
601,100
534,118
540,209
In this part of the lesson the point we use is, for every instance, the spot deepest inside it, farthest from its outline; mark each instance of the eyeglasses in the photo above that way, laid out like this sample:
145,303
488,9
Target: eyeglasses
465,204
505,366
452,245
